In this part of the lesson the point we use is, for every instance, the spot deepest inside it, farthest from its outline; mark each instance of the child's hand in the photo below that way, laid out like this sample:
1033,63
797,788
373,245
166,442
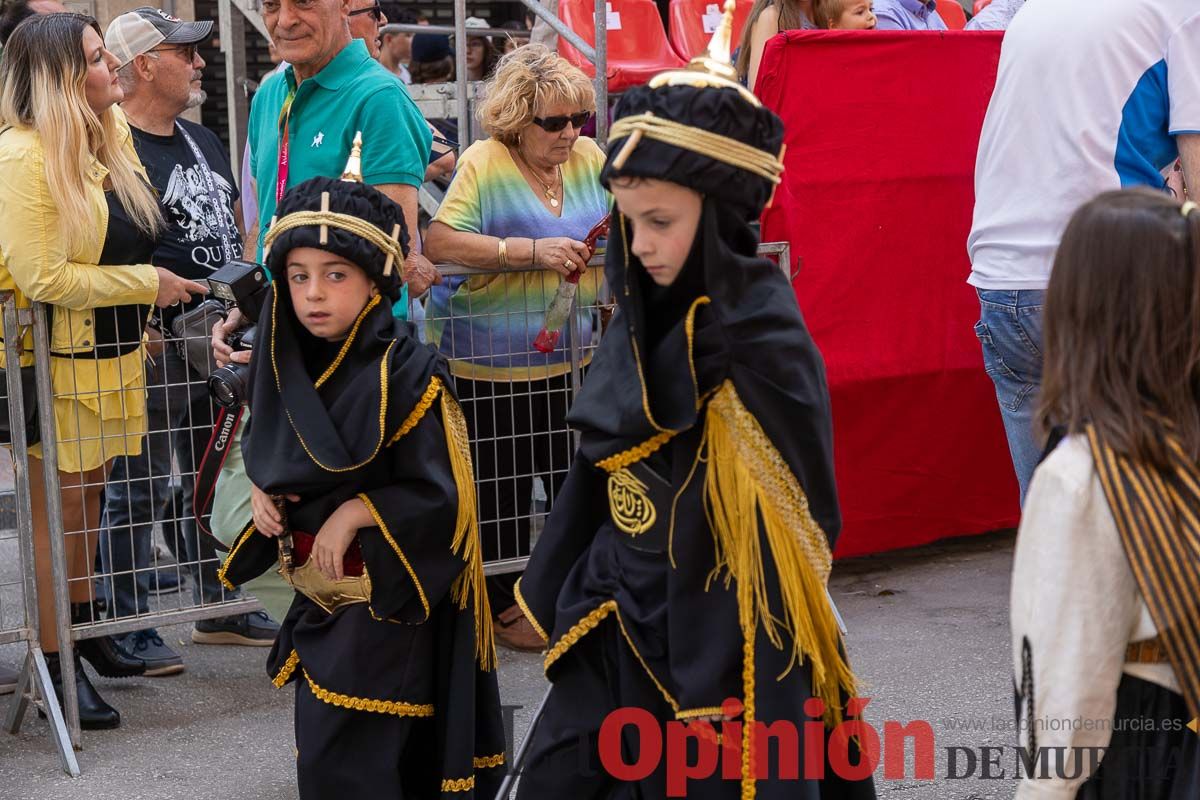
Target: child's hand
335,536
266,516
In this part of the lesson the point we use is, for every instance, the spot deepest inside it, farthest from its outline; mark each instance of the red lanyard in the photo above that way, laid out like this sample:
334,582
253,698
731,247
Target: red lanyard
282,173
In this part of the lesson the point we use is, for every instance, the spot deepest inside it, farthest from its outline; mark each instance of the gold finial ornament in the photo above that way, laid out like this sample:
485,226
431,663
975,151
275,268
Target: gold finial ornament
712,68
353,171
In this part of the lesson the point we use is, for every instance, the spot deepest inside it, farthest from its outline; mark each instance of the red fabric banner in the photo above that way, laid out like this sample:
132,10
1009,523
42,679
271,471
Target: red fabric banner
882,131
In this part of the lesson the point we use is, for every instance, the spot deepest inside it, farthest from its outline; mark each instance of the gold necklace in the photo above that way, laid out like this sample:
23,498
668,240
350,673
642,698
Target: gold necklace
547,188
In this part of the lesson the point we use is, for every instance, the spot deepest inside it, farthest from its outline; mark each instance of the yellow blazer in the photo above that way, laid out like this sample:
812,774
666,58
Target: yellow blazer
100,404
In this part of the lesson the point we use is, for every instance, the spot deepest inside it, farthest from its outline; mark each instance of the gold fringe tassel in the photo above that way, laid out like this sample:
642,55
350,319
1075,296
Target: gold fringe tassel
470,585
747,480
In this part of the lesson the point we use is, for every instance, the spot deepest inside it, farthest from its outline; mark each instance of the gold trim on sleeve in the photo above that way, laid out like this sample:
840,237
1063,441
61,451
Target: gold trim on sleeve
588,624
578,631
285,672
634,454
419,410
458,784
387,535
229,558
488,762
528,614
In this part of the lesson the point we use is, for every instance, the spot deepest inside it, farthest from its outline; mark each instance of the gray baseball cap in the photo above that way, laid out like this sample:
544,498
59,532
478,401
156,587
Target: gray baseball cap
145,28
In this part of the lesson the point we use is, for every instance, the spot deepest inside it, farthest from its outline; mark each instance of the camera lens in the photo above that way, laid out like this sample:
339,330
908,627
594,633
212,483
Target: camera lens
227,385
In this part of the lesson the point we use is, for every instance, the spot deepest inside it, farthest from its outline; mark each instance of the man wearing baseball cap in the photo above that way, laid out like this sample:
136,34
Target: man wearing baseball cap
160,72
146,29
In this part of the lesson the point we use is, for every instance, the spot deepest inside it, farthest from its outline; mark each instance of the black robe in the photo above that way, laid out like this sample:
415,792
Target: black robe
377,419
705,454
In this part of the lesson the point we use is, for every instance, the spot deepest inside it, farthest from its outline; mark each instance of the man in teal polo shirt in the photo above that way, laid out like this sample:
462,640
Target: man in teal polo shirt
331,90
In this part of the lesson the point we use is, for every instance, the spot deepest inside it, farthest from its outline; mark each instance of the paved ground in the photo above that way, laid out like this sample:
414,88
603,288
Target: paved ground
928,634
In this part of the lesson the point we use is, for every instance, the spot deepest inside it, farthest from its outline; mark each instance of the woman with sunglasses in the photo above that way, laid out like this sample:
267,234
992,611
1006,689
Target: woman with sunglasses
521,203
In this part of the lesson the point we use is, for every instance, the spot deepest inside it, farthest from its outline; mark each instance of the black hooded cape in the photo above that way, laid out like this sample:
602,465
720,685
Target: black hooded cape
378,419
701,508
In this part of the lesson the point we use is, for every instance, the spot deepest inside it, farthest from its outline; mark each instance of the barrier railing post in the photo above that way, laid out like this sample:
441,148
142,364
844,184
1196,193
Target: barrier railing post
460,74
54,520
601,80
34,682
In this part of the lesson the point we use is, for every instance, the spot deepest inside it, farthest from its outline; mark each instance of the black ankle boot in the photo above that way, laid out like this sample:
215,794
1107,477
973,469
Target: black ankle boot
103,653
94,713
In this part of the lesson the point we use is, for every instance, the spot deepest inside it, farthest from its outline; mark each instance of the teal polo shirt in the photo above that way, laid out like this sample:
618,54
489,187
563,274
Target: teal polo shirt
352,93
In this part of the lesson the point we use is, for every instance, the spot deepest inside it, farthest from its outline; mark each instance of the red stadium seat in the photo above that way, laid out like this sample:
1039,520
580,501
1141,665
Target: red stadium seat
637,44
980,5
694,21
951,12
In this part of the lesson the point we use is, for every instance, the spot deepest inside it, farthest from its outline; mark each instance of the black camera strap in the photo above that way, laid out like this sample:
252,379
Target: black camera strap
223,437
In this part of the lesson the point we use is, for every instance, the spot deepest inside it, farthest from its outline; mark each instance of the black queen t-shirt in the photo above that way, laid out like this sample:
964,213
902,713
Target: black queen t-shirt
191,245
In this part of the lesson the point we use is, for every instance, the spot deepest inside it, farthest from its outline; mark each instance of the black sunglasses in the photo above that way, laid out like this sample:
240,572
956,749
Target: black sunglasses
188,51
556,124
375,11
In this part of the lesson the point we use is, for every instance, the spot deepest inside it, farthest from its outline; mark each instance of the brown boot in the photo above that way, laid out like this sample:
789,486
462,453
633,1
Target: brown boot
514,631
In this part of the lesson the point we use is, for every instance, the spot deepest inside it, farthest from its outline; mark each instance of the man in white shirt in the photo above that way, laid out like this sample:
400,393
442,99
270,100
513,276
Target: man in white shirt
1122,103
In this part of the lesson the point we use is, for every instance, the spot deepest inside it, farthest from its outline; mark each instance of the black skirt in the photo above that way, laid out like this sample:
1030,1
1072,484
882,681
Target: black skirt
1153,755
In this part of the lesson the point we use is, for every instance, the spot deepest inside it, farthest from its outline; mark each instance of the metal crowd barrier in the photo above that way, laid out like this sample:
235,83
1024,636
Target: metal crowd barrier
110,528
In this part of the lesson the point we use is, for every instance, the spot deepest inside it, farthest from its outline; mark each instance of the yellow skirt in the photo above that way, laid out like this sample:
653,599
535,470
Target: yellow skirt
99,410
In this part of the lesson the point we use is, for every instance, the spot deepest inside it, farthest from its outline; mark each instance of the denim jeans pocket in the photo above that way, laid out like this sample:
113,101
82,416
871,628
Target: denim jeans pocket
993,362
1011,391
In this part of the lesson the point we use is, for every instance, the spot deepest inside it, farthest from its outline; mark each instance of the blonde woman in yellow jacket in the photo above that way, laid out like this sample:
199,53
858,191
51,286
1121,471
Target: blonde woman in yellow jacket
78,222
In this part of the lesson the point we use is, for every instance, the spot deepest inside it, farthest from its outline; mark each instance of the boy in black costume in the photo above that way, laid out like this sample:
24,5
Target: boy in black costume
365,498
686,560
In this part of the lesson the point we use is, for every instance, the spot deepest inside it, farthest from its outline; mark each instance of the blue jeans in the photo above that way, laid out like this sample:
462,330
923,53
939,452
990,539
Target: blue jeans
1010,332
139,491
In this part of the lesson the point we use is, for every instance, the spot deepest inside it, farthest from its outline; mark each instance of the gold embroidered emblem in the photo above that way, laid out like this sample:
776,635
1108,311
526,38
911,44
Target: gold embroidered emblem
631,509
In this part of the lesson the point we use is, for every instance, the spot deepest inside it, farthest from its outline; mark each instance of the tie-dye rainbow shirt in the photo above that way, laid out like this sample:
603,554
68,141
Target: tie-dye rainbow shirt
486,324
